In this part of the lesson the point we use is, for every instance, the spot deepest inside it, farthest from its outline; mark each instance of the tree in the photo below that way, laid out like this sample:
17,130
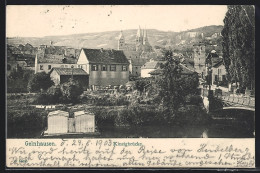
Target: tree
140,85
239,44
39,81
71,91
16,73
174,87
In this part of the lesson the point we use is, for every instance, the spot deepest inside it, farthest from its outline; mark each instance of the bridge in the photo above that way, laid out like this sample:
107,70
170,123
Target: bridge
230,100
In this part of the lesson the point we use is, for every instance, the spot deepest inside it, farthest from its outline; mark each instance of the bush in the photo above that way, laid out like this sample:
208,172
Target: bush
54,93
71,91
26,122
39,81
191,115
194,100
43,98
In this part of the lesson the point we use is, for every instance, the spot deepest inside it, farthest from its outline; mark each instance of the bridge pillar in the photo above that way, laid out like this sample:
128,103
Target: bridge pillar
211,100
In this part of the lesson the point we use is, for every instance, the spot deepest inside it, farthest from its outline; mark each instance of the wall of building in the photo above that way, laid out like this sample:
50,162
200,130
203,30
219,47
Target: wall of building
219,72
145,72
83,62
199,60
136,70
55,77
45,67
105,78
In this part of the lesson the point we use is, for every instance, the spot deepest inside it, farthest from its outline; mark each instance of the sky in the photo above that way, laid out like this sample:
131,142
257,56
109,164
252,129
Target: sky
50,20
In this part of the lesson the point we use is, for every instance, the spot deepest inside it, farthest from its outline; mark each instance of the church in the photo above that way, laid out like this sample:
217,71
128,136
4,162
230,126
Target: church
141,42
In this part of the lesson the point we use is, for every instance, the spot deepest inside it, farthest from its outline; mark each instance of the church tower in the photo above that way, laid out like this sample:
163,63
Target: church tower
139,36
121,41
145,38
199,55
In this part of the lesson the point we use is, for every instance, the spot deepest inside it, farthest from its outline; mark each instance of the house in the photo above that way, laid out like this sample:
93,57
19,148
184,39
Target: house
45,62
136,64
61,75
157,73
148,67
105,67
218,72
215,64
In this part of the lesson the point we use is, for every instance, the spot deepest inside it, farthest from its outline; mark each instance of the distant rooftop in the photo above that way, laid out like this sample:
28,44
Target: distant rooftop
68,71
55,59
151,65
106,56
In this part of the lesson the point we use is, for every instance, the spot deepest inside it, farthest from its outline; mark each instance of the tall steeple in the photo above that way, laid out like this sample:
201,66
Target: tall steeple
121,36
139,36
145,39
121,41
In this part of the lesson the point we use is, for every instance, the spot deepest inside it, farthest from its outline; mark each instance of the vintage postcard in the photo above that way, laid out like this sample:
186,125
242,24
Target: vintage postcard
136,86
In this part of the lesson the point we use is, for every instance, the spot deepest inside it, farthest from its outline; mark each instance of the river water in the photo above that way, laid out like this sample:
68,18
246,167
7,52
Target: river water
216,129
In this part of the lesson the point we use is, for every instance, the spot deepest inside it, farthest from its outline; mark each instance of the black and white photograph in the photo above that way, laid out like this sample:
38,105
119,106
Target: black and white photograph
139,71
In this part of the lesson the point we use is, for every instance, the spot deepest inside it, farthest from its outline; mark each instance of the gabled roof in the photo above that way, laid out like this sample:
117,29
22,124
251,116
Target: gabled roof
68,71
212,55
217,64
185,70
55,59
156,72
105,56
138,61
151,65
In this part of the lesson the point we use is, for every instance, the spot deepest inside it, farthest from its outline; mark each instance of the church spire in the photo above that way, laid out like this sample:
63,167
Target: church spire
121,41
145,36
139,36
121,36
139,33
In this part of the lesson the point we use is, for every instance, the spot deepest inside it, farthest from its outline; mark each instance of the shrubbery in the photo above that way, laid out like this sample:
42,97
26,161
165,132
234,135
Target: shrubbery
39,81
66,93
26,122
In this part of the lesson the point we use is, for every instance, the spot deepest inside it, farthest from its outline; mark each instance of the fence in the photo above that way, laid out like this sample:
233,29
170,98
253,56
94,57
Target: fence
230,98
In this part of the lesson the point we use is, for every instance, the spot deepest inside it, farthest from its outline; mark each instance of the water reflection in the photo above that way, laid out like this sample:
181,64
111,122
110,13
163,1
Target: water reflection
215,129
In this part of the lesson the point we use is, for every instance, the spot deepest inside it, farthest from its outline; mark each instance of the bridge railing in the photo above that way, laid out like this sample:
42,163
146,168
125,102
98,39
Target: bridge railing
230,98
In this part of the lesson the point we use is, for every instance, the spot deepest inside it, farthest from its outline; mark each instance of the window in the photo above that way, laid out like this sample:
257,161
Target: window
112,67
49,67
41,67
124,68
94,67
104,68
